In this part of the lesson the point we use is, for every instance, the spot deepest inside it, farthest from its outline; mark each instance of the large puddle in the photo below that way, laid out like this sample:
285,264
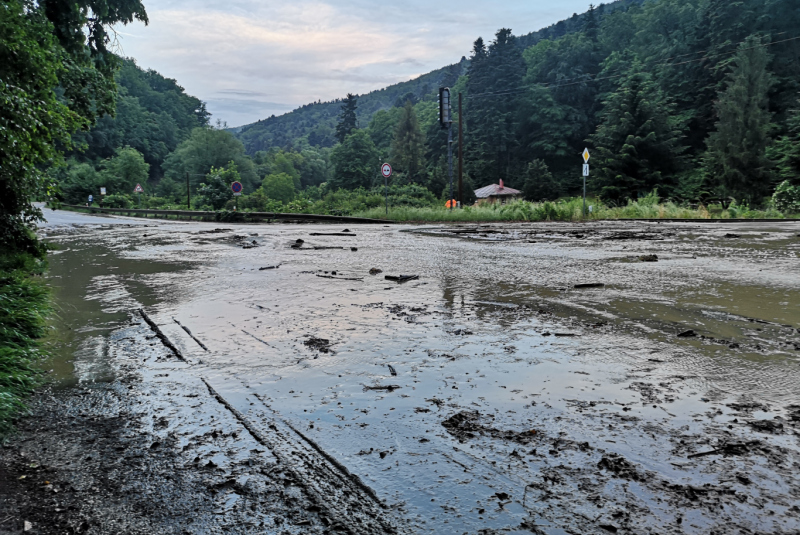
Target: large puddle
493,330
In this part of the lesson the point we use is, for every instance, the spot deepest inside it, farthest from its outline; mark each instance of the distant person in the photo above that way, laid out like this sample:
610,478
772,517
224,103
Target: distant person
91,199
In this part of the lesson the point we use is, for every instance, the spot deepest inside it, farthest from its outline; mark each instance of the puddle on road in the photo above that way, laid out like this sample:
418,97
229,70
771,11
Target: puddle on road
495,328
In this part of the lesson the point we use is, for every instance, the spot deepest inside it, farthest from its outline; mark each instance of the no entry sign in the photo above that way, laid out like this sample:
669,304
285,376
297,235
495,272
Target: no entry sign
386,170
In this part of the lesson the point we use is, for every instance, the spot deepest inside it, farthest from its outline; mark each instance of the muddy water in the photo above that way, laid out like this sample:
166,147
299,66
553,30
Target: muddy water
559,378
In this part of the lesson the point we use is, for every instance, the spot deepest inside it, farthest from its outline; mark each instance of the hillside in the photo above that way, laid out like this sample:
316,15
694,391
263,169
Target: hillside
317,120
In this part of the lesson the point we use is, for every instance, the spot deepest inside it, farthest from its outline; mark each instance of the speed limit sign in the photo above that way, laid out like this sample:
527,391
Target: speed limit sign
386,170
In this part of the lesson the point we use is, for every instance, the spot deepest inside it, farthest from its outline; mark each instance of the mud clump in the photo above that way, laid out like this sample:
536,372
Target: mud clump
767,426
323,345
467,425
620,467
648,258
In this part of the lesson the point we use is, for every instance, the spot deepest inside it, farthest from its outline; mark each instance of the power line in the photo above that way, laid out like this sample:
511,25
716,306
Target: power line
588,77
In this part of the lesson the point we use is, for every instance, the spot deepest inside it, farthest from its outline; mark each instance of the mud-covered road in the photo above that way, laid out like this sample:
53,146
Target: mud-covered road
539,378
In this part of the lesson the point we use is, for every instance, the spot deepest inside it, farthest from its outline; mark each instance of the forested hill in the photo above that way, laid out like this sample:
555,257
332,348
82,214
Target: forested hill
153,116
317,120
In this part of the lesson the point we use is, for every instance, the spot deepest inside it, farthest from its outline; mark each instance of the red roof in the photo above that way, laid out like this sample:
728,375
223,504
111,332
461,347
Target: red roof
496,190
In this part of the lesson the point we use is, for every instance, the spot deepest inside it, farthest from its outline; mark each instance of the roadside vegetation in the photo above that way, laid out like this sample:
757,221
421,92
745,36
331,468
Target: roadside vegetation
24,306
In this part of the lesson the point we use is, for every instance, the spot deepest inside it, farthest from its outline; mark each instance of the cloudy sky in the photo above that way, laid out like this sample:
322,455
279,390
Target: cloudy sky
249,59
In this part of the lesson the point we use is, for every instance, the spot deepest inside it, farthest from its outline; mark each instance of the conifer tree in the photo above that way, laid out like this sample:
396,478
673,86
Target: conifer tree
787,150
539,183
637,146
408,146
737,149
347,120
493,118
356,162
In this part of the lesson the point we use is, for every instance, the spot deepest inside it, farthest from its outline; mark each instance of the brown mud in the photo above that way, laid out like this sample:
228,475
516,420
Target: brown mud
531,380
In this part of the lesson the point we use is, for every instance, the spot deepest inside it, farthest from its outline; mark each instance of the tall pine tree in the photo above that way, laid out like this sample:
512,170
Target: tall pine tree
347,120
637,146
408,146
737,149
787,150
492,110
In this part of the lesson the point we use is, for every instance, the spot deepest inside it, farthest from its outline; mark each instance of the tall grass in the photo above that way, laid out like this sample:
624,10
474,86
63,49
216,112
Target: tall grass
649,207
24,304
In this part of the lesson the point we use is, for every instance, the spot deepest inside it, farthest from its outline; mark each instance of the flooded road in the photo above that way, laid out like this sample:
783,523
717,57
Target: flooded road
546,378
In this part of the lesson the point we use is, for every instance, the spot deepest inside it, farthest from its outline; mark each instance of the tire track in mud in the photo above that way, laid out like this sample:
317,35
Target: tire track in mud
348,503
339,496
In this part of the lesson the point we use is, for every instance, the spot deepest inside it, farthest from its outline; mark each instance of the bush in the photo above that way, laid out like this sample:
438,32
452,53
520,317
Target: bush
787,198
117,201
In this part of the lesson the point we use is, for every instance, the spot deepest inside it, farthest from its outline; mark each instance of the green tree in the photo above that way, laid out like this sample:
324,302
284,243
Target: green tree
408,147
205,149
44,46
356,162
539,182
347,120
279,187
382,129
637,146
492,144
216,190
786,150
737,149
126,169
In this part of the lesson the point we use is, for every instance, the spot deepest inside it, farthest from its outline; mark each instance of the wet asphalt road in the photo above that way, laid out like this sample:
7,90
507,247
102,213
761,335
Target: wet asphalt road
489,394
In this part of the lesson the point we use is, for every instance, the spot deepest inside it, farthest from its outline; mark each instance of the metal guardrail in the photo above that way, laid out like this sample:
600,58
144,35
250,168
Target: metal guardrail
241,217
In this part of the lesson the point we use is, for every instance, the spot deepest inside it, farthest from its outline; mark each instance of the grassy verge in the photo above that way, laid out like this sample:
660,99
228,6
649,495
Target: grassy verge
571,210
24,304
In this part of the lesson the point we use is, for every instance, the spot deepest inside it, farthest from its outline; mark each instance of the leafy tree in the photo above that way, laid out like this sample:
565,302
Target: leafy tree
44,46
737,150
216,190
81,180
205,149
638,142
126,169
279,186
539,183
316,167
356,162
276,161
787,198
347,120
408,145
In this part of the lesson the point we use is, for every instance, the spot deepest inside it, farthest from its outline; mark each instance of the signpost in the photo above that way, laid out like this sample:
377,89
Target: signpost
585,174
138,190
236,188
446,120
386,171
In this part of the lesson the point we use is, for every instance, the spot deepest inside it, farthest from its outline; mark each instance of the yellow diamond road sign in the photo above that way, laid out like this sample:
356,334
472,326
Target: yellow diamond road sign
586,155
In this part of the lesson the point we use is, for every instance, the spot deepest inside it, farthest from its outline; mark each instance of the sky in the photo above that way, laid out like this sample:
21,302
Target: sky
249,59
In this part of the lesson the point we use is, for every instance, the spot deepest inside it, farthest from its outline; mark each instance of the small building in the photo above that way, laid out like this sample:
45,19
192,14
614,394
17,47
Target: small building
497,193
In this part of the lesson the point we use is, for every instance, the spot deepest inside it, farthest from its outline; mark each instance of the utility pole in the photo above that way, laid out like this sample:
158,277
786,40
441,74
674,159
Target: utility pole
460,152
188,193
446,120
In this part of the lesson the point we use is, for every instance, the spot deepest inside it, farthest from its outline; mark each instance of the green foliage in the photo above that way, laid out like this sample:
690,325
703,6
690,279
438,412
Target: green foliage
382,129
153,115
408,145
787,198
637,144
216,190
737,149
279,187
539,183
118,201
205,149
786,150
347,120
356,161
124,171
24,305
33,120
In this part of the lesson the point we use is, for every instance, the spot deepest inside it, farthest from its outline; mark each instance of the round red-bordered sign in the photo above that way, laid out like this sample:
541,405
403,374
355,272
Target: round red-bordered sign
236,187
386,170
